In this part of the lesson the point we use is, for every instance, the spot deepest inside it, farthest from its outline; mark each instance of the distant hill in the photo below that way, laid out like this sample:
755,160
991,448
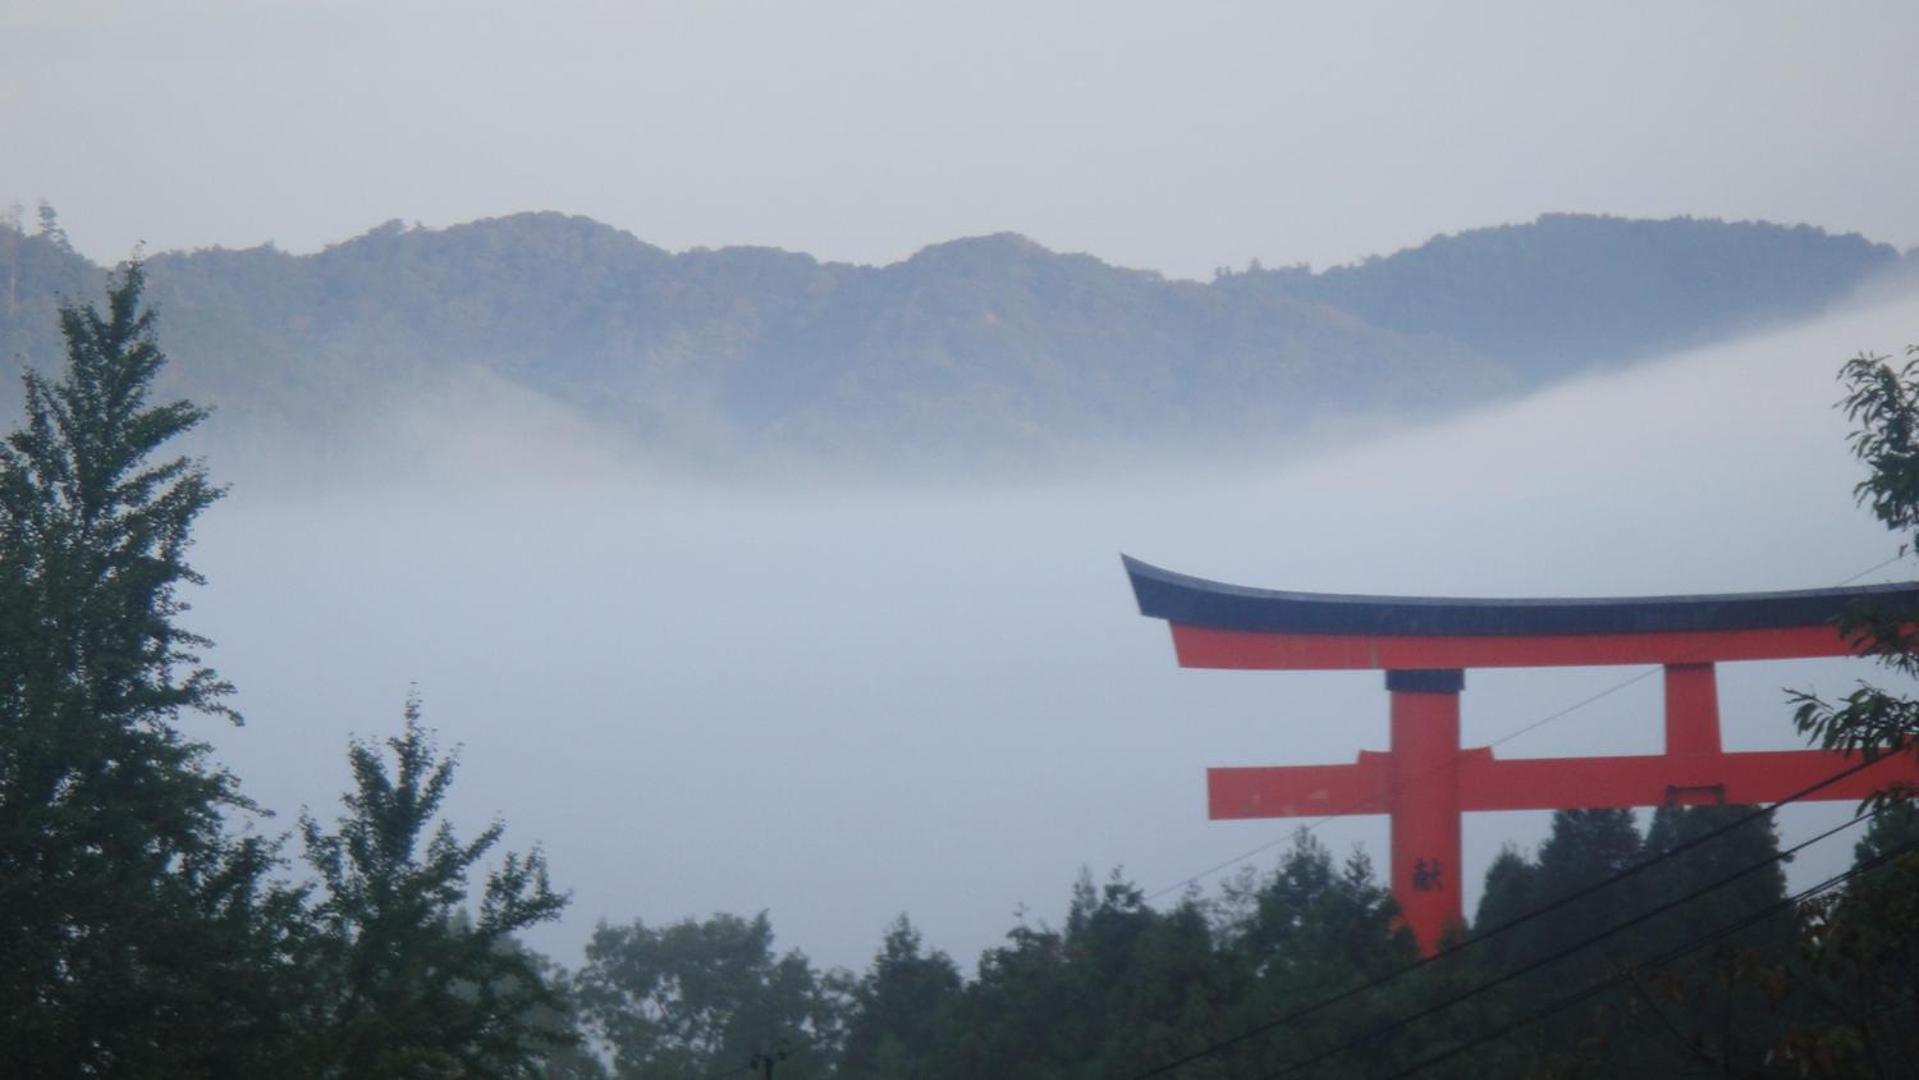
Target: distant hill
1572,291
989,348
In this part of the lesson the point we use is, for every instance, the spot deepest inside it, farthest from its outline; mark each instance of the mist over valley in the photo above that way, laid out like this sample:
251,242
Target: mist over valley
729,696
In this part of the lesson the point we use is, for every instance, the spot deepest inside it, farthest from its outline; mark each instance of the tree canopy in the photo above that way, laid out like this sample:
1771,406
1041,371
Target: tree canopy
146,927
126,904
414,983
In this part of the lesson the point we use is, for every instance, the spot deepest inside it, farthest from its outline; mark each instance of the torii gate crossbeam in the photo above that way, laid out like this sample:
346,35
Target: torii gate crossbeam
1426,780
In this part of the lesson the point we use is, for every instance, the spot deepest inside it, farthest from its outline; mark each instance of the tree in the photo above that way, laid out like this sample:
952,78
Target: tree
1317,928
1859,949
1156,977
1512,886
1709,1013
1884,402
10,237
1314,922
50,227
699,998
892,1028
135,936
414,985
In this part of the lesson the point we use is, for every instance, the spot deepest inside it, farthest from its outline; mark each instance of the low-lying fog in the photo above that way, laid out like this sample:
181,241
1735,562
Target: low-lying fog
841,705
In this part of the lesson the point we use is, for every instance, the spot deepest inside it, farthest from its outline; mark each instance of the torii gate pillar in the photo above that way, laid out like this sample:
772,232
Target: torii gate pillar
1425,792
1692,709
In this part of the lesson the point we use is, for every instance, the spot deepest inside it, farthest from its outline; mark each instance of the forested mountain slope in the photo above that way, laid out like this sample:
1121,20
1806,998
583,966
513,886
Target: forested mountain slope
1571,291
978,349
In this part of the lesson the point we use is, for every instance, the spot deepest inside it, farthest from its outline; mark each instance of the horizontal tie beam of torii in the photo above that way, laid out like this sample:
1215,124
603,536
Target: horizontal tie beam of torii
1426,780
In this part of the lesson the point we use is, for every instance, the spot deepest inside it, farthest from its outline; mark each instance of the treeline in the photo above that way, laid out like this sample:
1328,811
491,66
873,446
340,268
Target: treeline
974,352
151,925
1302,970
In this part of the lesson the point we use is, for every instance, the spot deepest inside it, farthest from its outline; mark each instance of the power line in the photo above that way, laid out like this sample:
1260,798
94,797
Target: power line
1519,920
1874,568
1666,958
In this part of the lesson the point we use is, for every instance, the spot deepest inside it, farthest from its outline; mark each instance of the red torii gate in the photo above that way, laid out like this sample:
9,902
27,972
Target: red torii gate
1423,644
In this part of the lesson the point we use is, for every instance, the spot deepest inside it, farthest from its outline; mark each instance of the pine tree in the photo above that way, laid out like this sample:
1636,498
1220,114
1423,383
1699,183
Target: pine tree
1707,1015
1584,848
1318,928
411,983
135,936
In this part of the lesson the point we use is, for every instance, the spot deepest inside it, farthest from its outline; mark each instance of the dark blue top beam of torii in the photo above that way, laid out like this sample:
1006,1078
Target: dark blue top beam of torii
1232,626
1192,601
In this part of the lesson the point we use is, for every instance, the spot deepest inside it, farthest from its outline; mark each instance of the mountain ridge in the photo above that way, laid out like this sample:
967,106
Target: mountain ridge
972,349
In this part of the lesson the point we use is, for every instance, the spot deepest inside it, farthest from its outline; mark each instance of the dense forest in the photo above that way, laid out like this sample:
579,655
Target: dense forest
153,924
971,353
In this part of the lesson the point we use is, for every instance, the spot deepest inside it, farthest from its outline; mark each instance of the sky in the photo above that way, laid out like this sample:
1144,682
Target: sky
844,704
1175,137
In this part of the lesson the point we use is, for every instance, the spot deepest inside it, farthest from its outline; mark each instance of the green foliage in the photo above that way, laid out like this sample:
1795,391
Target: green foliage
1854,977
1273,977
1704,1004
413,986
896,1006
699,998
50,228
1512,890
135,936
1311,907
97,533
1316,929
1570,292
1122,986
1711,1011
37,278
1883,402
138,935
1119,984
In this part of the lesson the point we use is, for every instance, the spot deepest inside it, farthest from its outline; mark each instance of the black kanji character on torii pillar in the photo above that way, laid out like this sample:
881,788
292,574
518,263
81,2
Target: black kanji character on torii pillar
1426,780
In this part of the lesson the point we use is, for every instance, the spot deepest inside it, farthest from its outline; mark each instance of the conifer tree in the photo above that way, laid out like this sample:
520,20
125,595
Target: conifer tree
135,936
411,984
